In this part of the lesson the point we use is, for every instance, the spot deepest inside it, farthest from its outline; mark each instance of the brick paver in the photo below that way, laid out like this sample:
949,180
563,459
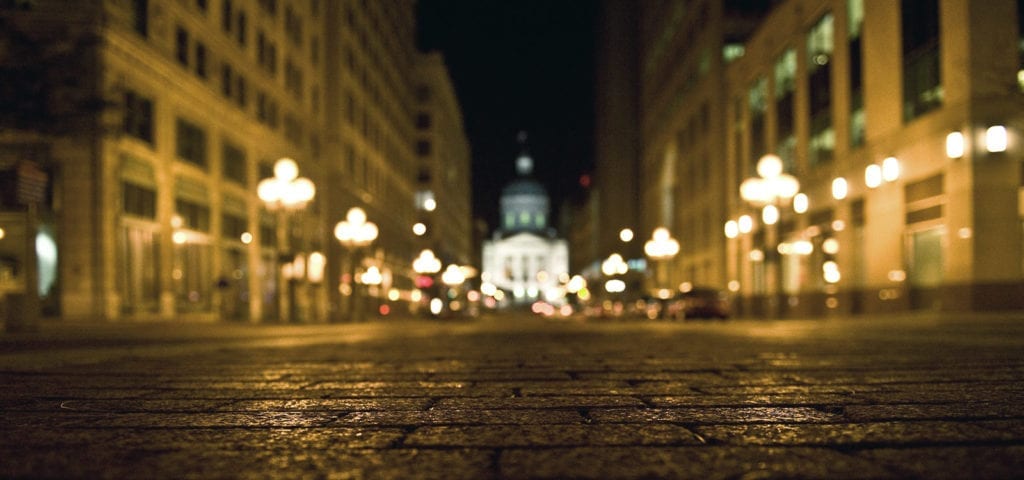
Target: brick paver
518,397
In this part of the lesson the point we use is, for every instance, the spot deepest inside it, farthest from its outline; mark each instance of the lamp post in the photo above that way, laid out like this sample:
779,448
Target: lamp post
768,190
453,277
285,193
354,233
425,266
661,248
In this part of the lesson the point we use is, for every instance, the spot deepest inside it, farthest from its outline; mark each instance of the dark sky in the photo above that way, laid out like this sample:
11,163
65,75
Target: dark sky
519,65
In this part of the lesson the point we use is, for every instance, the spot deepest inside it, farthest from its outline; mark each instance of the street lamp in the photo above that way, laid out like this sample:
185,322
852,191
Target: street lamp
661,248
354,233
769,189
426,263
284,193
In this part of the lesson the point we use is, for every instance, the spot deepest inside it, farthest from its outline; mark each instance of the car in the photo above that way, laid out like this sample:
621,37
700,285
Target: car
700,302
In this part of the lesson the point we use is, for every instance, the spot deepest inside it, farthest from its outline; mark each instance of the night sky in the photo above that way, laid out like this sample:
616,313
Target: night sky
519,65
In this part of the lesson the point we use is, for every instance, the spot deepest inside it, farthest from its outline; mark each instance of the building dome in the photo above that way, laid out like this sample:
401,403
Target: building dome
524,201
524,186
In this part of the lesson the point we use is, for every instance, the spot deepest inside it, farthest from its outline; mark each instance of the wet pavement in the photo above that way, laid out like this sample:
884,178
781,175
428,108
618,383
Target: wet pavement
925,396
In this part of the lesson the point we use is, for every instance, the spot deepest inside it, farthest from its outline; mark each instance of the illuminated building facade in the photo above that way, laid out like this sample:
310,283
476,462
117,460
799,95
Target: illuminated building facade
170,113
443,154
899,119
524,257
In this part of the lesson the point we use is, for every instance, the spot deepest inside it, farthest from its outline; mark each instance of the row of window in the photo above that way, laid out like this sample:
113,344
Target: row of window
191,144
922,85
140,201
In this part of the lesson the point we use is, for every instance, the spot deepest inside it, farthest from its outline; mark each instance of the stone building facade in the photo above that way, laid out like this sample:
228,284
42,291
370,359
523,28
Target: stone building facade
172,112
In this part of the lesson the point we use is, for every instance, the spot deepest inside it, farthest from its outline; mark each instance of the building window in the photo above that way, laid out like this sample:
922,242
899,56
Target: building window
227,15
227,81
234,166
922,79
785,119
819,70
138,116
240,96
240,32
269,6
293,129
191,143
423,121
181,46
855,9
1020,44
200,60
293,79
423,148
292,26
139,285
757,101
140,16
233,226
314,51
266,53
193,215
138,201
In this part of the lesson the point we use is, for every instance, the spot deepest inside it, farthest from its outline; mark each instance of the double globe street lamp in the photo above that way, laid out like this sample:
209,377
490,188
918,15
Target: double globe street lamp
768,190
661,248
354,233
286,193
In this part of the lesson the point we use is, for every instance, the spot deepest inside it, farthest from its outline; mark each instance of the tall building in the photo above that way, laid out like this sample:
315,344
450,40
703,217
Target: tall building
898,119
901,122
152,124
443,170
615,201
687,47
524,257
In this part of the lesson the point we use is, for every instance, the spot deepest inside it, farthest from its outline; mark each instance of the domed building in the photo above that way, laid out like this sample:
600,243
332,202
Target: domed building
524,257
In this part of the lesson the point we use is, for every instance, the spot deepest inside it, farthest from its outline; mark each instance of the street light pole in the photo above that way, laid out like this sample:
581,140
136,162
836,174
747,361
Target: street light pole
285,193
354,233
661,248
768,190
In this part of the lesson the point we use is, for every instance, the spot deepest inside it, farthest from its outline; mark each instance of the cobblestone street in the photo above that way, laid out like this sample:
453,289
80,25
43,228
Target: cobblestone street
518,397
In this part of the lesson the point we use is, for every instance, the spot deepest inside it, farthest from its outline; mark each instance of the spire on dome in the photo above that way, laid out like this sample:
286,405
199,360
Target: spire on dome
524,164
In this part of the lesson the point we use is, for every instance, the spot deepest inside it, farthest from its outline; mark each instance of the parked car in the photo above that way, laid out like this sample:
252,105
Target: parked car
700,302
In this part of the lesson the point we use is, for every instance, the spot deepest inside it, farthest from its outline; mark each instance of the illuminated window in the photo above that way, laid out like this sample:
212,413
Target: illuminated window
732,51
1020,44
855,16
757,101
785,88
820,45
